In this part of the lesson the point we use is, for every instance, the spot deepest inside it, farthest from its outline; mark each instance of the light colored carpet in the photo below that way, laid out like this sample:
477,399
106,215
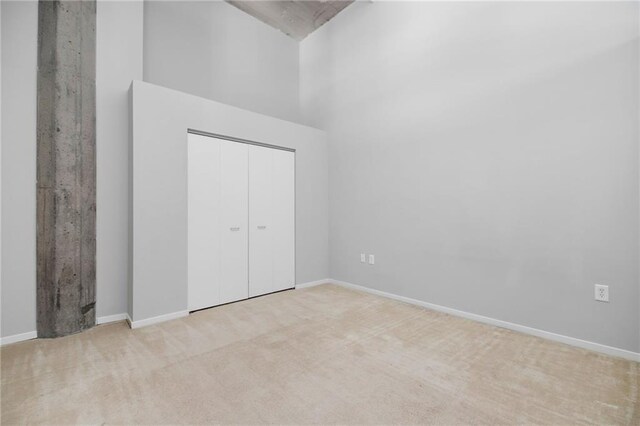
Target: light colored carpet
319,355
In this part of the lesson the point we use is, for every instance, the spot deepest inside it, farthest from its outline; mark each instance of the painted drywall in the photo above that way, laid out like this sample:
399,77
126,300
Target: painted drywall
530,54
0,171
161,118
265,79
487,154
118,62
213,50
19,61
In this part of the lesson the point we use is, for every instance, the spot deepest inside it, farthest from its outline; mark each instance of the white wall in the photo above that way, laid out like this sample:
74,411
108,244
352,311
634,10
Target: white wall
0,170
214,50
161,118
265,79
118,61
19,41
487,154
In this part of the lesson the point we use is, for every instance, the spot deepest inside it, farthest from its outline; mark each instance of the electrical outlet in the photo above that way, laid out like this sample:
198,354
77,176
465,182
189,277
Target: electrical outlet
602,293
372,259
363,258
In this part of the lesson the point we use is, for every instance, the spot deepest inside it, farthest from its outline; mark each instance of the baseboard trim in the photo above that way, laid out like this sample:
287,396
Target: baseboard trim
584,344
102,320
313,283
18,338
111,318
155,320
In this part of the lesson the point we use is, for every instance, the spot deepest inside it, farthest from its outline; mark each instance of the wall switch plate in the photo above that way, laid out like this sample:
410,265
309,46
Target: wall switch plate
602,293
363,258
372,259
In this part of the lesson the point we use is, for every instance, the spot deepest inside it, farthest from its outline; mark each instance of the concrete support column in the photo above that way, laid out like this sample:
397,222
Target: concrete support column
66,167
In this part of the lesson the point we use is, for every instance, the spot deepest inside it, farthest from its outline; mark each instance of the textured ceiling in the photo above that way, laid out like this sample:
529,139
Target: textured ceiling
294,18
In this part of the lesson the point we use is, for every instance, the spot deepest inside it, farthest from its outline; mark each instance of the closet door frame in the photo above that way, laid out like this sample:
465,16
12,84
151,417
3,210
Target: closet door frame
295,204
239,140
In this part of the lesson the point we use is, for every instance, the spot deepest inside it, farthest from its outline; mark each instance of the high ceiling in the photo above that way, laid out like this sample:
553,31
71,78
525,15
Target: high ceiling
295,18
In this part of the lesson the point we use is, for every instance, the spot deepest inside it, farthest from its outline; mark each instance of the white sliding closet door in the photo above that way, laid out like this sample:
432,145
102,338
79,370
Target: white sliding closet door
261,253
284,220
271,220
234,163
217,221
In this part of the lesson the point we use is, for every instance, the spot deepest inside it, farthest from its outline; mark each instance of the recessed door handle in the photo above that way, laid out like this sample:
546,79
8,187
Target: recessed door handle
235,228
262,227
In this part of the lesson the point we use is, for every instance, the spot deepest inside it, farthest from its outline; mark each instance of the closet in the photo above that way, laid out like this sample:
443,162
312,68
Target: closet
241,220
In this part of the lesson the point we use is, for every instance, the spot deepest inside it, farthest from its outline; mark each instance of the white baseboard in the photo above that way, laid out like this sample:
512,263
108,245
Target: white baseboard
314,283
33,334
111,318
596,347
18,338
102,320
156,320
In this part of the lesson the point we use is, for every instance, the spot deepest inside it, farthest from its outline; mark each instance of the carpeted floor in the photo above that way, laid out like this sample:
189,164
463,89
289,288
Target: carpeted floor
319,355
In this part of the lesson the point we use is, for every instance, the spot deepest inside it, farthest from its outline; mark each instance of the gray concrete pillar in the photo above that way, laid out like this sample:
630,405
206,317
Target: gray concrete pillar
66,167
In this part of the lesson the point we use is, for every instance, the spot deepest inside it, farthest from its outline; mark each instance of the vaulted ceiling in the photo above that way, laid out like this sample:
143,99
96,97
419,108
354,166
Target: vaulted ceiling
296,18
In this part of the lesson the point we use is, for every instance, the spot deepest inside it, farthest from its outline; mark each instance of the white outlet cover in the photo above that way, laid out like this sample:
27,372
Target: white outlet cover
363,258
372,259
602,293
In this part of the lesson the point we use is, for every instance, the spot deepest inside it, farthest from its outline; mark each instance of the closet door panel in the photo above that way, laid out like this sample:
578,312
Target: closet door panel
260,220
203,221
234,221
283,222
